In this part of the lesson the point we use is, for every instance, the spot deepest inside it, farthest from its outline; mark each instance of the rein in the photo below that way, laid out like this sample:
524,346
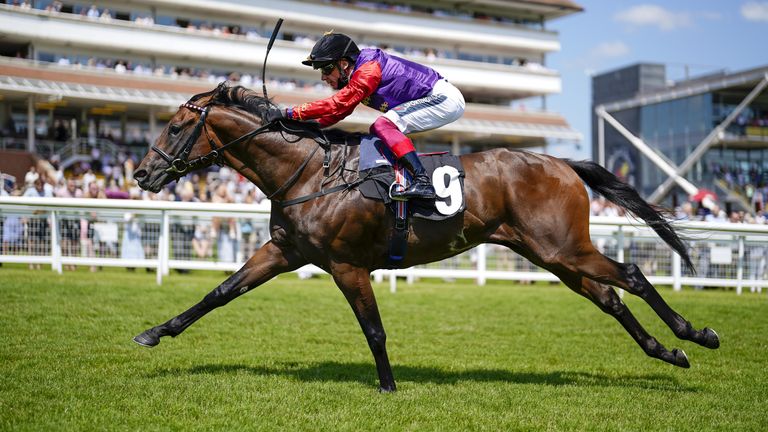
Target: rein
179,166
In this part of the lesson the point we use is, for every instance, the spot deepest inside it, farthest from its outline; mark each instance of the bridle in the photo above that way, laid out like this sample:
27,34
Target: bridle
179,166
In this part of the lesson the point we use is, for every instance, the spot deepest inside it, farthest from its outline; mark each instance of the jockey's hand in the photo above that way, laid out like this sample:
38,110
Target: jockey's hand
274,114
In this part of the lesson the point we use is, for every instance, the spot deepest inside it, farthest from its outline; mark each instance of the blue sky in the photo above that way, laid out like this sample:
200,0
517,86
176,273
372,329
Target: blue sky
706,35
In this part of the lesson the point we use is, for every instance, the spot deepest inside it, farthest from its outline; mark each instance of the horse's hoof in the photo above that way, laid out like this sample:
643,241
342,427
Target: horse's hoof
711,339
391,389
147,339
680,359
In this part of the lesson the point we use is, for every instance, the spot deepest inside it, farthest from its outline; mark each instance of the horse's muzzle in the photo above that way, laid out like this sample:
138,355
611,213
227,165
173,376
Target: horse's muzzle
146,182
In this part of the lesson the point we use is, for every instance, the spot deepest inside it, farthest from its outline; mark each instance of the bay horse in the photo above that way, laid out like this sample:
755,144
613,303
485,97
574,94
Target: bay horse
534,204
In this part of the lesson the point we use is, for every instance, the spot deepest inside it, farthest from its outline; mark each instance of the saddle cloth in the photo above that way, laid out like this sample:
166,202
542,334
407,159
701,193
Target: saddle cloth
445,171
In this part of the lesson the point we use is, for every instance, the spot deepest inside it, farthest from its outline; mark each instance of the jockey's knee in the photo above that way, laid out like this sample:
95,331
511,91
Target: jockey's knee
383,126
392,136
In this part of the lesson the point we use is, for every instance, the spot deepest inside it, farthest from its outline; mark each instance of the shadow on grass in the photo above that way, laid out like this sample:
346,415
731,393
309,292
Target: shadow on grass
365,373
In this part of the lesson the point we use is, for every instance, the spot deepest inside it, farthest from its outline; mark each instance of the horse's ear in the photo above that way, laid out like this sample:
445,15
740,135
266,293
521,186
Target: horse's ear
221,92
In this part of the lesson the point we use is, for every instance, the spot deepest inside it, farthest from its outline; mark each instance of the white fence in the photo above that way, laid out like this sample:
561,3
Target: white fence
162,235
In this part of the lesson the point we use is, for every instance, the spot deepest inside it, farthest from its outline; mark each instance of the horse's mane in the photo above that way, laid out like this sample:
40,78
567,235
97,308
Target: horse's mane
237,96
249,100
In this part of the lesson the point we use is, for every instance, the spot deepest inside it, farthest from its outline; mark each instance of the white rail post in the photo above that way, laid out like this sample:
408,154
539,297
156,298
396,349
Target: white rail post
620,251
740,268
392,282
677,272
165,238
55,244
481,264
160,253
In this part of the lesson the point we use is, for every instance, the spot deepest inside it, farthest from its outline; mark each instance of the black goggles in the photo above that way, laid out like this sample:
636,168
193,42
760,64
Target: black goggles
327,68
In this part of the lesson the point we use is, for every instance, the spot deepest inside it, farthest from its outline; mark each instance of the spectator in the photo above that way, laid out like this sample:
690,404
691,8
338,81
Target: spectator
131,247
13,231
70,227
37,227
87,234
88,178
249,231
93,12
201,242
684,212
224,229
106,16
31,176
182,232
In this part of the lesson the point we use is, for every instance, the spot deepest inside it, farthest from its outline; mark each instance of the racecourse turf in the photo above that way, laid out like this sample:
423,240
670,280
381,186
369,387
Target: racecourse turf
290,356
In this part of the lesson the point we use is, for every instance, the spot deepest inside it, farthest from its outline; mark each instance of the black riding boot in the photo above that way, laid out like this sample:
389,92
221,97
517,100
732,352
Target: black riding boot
420,186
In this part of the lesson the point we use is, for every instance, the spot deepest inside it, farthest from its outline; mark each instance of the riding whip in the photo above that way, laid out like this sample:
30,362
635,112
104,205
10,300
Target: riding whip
269,47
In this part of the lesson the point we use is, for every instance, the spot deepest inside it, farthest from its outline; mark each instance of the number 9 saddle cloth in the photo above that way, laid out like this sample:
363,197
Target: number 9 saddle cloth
445,170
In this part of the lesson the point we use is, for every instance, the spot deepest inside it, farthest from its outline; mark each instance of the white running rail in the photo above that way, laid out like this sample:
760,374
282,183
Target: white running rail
166,236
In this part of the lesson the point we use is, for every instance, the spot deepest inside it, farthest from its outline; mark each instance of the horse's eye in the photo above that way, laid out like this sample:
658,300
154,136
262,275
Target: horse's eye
175,129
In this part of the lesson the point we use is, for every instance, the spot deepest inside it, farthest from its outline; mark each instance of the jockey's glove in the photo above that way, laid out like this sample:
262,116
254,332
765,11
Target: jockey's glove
274,114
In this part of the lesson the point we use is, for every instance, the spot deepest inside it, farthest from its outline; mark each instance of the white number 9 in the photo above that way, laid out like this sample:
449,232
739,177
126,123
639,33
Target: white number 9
447,184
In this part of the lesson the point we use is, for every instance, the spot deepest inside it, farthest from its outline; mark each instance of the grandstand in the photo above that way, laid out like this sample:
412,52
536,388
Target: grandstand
74,76
89,87
671,139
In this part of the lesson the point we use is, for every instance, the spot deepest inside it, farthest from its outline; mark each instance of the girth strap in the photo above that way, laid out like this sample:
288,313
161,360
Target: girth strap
318,194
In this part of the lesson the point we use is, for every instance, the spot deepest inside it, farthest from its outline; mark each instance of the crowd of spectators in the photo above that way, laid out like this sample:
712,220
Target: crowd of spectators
708,211
701,247
93,12
436,11
226,239
212,76
751,182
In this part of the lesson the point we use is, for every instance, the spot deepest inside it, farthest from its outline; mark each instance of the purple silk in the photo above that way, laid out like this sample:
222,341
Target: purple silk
401,80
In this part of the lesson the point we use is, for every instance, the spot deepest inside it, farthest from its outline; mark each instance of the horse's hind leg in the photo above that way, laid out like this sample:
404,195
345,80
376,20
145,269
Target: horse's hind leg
355,283
268,262
602,269
637,284
609,302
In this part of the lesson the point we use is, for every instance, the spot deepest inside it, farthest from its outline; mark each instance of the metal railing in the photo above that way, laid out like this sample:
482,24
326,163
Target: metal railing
161,235
62,149
79,150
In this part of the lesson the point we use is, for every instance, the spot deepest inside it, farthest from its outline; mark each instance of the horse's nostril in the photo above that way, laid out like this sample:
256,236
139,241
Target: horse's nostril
140,174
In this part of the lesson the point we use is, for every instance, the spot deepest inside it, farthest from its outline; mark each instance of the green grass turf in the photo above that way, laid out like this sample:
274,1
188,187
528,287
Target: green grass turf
290,356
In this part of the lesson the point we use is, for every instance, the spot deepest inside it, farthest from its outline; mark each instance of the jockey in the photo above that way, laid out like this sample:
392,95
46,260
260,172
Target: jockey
413,98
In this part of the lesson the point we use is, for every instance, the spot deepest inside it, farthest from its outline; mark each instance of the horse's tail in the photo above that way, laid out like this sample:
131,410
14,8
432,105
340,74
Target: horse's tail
608,185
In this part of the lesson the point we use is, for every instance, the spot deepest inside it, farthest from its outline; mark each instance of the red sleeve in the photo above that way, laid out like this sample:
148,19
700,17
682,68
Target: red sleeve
364,81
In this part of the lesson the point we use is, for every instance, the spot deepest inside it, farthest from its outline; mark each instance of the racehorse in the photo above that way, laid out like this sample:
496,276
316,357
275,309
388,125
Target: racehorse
534,204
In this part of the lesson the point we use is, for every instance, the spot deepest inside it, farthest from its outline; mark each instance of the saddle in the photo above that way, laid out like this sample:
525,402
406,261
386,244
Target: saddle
379,165
379,174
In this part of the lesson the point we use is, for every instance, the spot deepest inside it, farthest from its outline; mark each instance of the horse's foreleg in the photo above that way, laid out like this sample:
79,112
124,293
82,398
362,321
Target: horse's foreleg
355,284
268,262
609,302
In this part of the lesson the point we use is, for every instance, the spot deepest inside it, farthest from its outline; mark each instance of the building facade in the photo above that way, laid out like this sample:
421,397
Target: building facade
113,72
672,139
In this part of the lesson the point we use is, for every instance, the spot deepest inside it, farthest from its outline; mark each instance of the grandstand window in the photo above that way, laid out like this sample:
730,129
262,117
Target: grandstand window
46,57
165,20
